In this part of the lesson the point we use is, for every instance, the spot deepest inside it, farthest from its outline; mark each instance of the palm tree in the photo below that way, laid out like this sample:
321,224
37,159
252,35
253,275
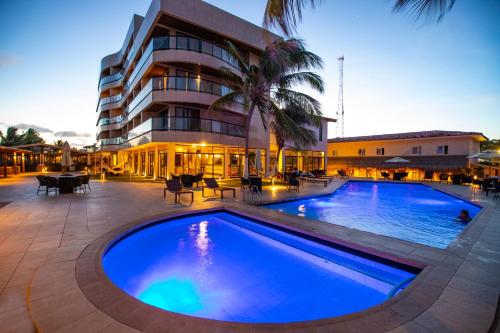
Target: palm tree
286,14
283,64
289,124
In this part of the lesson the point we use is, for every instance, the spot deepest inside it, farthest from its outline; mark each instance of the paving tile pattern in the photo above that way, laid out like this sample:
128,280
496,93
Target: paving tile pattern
41,238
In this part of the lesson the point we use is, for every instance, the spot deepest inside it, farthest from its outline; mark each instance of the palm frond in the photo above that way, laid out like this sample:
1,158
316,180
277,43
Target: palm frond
432,8
229,77
233,50
310,79
285,14
295,99
227,99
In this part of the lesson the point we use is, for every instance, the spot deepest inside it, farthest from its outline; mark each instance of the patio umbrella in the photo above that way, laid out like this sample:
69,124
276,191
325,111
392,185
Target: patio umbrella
487,155
258,162
66,160
397,160
245,169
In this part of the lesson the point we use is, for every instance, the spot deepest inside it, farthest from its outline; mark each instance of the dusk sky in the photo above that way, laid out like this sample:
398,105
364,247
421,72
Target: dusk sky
399,75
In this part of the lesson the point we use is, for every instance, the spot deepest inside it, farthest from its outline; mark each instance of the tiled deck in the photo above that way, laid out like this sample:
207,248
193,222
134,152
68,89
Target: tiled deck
41,238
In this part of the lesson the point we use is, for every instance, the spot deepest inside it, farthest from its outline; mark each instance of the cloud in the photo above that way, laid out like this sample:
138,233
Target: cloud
7,60
40,129
72,134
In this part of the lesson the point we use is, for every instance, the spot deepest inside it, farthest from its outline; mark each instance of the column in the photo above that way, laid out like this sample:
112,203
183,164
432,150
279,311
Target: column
281,162
23,163
14,157
4,161
156,164
268,161
171,159
146,164
227,162
325,154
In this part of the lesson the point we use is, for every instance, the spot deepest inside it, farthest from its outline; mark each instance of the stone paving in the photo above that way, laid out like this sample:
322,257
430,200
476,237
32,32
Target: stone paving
41,238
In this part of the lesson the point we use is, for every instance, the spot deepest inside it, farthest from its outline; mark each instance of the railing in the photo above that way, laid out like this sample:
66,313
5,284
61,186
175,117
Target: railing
111,120
178,83
109,100
182,43
110,78
113,141
187,125
189,84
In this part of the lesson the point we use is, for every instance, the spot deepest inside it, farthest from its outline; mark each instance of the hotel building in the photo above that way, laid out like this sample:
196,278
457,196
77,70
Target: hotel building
437,151
154,95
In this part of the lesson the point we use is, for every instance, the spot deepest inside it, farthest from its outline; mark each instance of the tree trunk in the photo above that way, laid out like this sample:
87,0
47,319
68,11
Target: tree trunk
247,137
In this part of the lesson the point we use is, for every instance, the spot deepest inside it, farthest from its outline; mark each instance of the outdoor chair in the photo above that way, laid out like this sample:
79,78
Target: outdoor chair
385,174
187,181
212,184
51,184
245,183
174,186
293,184
429,175
342,173
198,178
443,177
42,182
77,183
86,183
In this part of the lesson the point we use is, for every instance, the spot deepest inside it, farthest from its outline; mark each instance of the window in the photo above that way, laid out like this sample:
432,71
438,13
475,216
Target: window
361,152
417,150
442,150
380,151
335,152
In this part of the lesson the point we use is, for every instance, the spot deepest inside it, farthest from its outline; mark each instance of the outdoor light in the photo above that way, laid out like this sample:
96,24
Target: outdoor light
103,176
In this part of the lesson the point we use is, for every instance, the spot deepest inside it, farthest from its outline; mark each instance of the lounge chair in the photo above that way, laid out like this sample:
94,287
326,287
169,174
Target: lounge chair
429,175
385,174
174,186
212,184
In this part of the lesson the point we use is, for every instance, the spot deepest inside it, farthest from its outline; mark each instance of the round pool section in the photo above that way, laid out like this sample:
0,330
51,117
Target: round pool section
226,267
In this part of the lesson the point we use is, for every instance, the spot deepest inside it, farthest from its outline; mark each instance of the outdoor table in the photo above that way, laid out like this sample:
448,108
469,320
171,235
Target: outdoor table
65,183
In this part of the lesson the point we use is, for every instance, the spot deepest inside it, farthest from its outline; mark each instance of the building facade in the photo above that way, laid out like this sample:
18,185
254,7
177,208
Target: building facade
437,151
153,116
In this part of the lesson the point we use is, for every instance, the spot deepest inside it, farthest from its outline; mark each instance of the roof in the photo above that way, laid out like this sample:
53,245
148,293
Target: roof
4,149
408,135
436,163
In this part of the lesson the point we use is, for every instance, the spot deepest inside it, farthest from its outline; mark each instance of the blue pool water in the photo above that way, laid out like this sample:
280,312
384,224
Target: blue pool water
225,267
412,212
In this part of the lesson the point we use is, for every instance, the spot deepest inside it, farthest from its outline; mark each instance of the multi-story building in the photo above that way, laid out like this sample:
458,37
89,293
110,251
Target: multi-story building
153,113
438,151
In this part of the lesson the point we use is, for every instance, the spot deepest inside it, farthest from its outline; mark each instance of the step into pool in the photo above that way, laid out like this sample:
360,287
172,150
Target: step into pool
224,266
411,212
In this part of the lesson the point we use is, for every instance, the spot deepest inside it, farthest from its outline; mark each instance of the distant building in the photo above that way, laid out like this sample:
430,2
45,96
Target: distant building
437,151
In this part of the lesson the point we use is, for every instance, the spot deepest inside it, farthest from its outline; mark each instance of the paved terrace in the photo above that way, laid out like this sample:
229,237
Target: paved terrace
41,238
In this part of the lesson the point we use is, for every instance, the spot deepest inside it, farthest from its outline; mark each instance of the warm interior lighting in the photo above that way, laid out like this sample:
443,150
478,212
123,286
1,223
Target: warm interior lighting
475,177
203,144
103,176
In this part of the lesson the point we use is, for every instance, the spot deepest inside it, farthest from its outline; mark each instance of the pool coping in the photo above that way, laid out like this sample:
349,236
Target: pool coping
107,297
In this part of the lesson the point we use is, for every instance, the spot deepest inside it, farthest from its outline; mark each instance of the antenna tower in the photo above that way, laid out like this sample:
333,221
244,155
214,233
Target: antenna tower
340,106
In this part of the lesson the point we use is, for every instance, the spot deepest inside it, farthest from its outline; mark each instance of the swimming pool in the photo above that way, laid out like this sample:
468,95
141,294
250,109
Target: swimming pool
412,212
227,267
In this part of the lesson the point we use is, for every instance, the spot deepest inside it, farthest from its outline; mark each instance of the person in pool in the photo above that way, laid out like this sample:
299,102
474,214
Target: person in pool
464,216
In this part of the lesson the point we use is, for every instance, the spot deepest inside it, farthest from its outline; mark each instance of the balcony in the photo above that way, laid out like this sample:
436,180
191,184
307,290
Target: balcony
110,142
105,102
187,125
185,44
110,78
175,85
